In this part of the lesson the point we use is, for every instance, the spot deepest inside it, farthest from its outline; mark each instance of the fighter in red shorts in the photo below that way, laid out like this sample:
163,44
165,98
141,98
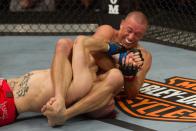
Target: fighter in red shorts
76,85
28,93
8,111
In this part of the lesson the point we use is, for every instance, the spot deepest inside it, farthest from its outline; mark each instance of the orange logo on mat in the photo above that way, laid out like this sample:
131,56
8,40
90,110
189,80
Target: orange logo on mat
174,100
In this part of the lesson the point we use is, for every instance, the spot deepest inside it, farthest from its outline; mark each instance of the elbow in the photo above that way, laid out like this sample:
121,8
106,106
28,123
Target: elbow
132,94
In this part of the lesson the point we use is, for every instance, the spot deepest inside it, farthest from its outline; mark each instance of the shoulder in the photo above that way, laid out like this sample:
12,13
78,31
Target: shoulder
105,27
105,31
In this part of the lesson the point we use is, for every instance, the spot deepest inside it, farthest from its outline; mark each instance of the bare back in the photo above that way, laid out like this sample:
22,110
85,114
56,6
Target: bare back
32,90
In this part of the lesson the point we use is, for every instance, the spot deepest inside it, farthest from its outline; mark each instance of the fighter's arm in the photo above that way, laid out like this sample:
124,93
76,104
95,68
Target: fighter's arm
98,44
92,44
104,32
99,40
132,85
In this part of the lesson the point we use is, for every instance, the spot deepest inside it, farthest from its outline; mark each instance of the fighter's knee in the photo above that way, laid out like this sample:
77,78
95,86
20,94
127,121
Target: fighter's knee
79,40
80,37
64,45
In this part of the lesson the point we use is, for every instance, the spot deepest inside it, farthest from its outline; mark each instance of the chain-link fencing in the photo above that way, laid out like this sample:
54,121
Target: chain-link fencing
172,22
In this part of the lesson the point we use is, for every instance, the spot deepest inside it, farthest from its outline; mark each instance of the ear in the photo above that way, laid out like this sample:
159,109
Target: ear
122,23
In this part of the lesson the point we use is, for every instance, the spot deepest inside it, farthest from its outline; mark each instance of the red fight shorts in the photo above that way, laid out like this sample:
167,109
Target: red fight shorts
7,106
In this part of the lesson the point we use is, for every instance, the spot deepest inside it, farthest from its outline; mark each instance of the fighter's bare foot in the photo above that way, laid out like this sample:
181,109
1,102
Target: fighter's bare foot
54,111
56,120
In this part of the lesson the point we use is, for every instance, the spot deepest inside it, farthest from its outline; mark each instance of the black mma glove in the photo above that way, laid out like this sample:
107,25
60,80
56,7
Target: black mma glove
128,70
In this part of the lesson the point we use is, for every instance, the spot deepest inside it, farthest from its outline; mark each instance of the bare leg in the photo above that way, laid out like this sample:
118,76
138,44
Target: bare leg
61,71
100,95
82,74
81,84
96,96
61,75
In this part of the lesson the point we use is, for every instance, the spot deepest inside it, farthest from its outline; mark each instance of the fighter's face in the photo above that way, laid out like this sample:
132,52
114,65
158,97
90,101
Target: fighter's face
131,32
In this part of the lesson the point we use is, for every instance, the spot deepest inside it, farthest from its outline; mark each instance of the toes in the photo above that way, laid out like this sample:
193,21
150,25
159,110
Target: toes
52,100
43,108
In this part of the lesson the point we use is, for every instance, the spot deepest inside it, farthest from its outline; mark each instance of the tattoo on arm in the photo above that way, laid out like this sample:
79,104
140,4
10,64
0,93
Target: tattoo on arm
23,86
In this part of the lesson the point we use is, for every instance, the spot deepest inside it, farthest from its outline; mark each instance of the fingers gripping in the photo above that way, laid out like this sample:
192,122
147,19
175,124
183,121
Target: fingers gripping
130,62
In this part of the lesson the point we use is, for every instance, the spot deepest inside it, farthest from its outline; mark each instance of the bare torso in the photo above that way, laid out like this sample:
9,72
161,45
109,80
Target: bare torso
32,90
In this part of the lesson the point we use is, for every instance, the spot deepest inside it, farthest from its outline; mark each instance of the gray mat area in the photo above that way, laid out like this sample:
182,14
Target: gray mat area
19,55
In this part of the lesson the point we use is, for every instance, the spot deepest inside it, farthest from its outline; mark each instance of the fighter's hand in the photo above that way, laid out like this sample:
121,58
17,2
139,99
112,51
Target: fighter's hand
130,62
138,59
128,66
55,116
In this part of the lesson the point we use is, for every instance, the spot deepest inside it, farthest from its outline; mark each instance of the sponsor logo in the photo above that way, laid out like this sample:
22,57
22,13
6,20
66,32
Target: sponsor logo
174,100
113,7
3,111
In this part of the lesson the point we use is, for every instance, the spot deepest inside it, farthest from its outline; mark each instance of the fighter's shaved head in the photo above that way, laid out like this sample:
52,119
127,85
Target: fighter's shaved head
138,16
